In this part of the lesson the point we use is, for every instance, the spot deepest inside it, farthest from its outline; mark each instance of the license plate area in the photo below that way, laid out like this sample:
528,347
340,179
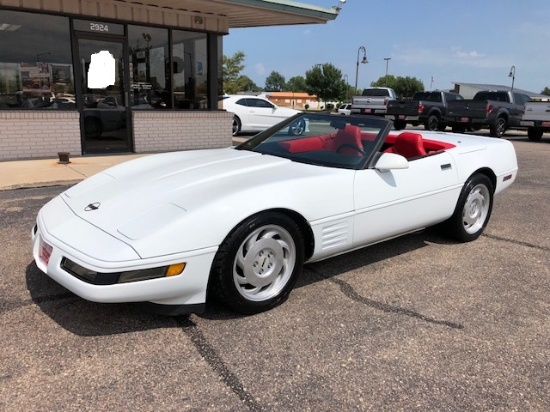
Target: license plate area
545,124
44,252
464,119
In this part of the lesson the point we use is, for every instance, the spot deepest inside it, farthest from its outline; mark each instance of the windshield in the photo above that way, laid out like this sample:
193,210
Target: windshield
323,139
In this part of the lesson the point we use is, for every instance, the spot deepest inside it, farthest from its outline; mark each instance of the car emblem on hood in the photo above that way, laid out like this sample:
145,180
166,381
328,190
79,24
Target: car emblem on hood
92,206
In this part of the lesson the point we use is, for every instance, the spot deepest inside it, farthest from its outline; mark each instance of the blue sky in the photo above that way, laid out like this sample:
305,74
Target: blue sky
469,41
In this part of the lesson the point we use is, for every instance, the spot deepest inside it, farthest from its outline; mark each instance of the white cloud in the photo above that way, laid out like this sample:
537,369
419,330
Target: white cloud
455,56
259,69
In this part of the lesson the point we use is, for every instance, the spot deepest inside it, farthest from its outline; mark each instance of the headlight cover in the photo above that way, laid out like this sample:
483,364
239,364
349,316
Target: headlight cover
98,278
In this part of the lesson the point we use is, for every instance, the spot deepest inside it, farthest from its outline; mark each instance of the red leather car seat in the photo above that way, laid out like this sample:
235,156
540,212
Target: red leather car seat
409,145
348,138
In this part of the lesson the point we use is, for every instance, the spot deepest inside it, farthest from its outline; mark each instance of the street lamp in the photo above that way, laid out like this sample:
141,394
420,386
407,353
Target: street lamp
364,61
512,74
387,61
347,86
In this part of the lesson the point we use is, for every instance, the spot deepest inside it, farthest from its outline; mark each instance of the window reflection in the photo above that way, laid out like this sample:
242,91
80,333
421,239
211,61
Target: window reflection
150,78
35,63
190,70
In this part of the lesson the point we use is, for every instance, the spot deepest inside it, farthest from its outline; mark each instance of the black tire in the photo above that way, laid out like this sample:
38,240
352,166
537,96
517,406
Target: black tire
92,128
534,134
458,128
297,128
236,126
399,124
432,123
499,127
258,263
472,211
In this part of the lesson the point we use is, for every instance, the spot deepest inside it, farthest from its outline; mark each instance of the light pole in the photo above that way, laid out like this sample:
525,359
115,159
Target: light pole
512,74
387,62
347,86
364,61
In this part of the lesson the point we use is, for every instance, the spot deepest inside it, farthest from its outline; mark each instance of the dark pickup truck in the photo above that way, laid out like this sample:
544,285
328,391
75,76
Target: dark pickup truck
427,108
497,110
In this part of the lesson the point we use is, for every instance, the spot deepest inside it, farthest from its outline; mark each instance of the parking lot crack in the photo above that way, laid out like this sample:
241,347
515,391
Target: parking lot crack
8,305
517,242
350,292
210,355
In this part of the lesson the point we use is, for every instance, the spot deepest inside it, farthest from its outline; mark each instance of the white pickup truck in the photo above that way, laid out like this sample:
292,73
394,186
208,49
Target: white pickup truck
373,101
537,117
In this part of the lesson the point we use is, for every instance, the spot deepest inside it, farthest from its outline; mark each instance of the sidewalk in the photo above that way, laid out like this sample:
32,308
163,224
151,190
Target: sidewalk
15,174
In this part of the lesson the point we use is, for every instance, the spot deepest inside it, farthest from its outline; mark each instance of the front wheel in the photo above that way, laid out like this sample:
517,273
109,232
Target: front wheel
472,211
258,263
458,128
236,128
399,124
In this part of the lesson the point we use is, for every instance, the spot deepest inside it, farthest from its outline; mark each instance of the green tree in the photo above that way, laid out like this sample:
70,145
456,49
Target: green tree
245,84
403,86
546,91
326,81
296,84
275,82
231,72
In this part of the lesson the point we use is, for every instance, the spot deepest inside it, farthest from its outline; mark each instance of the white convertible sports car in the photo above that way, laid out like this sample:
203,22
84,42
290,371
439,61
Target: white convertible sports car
170,230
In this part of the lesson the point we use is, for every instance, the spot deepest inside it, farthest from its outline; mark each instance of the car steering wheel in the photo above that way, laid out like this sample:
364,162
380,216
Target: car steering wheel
350,146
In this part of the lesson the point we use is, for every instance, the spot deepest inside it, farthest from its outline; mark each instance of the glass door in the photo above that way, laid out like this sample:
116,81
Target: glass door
103,101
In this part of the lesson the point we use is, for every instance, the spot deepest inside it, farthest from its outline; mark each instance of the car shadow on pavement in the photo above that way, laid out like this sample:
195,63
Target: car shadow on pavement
370,255
85,318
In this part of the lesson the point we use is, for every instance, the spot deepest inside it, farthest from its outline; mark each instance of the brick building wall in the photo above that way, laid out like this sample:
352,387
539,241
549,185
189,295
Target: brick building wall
42,134
168,131
35,134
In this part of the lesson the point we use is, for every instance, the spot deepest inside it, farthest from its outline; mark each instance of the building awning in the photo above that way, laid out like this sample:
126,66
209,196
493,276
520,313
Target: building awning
251,13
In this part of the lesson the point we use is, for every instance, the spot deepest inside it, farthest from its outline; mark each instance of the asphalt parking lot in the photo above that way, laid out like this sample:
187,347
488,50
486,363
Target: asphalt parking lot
415,324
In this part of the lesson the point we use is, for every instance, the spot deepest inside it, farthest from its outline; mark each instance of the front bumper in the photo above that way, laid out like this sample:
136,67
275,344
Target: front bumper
188,288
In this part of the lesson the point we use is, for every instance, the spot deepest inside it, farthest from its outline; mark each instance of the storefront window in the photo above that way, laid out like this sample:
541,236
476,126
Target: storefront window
190,70
149,68
36,69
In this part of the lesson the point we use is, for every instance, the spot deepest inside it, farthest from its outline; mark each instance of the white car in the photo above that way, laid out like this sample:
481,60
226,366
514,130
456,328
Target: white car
239,223
344,109
254,114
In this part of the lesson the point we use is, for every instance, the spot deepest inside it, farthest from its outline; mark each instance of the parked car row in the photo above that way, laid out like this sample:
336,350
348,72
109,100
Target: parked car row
496,110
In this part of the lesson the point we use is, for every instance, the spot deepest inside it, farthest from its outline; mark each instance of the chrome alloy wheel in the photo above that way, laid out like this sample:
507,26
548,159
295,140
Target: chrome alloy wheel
264,263
476,208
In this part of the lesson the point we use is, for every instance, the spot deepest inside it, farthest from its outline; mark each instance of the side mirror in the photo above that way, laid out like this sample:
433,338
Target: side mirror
391,161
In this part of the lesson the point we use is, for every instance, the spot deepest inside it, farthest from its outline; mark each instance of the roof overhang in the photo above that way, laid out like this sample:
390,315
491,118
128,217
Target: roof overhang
251,13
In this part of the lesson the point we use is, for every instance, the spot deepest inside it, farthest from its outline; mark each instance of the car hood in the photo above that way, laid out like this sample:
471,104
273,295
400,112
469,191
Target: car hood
201,195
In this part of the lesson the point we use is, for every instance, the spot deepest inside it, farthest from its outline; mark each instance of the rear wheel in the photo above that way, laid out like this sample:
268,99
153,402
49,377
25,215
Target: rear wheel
499,127
534,134
297,128
236,125
432,123
472,211
258,263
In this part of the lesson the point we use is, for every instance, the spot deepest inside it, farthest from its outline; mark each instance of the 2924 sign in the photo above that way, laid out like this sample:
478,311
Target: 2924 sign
104,28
